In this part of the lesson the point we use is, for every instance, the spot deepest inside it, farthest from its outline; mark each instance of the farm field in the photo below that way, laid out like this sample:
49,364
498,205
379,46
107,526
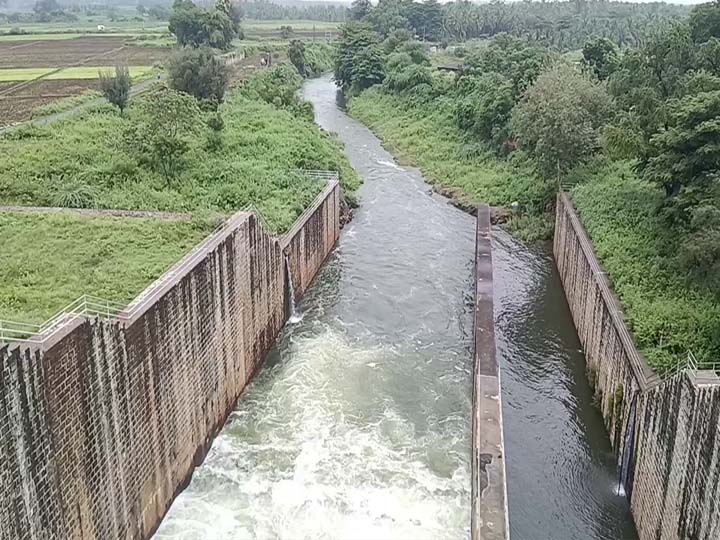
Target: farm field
34,74
82,72
54,54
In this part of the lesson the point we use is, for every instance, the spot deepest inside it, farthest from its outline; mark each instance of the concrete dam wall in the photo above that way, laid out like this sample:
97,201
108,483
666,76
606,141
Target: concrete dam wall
664,431
103,421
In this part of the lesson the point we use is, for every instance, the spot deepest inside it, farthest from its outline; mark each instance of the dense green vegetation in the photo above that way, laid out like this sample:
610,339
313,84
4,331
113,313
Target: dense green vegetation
96,160
635,129
49,260
667,315
426,135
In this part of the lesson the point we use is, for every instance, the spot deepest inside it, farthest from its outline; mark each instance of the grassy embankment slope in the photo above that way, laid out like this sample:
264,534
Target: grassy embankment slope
55,259
427,136
668,315
49,260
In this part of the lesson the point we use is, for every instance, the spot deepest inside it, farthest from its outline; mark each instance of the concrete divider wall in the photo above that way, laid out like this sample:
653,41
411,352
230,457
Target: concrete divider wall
102,424
671,465
489,512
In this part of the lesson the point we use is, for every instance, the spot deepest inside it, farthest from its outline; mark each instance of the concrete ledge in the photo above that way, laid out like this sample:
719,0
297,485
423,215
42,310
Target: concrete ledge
489,512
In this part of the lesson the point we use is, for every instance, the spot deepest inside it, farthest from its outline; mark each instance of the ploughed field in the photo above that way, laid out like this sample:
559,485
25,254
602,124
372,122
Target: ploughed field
34,74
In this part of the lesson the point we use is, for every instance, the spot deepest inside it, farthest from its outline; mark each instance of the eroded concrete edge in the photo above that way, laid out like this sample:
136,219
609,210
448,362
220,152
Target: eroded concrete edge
489,512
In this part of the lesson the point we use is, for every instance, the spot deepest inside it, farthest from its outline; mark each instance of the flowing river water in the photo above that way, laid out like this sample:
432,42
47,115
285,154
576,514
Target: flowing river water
358,426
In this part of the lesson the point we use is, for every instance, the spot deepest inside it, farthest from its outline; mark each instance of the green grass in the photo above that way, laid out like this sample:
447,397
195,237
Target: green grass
252,25
49,260
80,72
261,146
667,315
426,136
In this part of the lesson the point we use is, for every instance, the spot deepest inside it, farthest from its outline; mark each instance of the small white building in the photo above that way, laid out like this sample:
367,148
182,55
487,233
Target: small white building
101,27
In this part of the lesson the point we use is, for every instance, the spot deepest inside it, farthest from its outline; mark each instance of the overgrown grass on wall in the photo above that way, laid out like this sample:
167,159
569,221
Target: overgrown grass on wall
262,144
49,260
667,315
426,135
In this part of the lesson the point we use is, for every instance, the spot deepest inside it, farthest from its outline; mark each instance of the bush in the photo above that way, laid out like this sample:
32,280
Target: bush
200,73
116,88
74,195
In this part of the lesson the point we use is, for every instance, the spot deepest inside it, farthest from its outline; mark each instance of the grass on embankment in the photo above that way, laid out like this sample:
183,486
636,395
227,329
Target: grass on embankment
49,260
426,136
667,315
262,145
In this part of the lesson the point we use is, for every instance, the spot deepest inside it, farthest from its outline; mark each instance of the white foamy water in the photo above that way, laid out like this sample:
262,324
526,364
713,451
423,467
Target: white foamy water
302,457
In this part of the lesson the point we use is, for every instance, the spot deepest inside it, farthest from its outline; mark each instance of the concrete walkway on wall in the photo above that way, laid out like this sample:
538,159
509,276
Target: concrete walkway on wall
489,489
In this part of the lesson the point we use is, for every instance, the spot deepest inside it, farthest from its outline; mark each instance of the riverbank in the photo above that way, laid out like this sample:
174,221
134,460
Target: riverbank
426,136
668,313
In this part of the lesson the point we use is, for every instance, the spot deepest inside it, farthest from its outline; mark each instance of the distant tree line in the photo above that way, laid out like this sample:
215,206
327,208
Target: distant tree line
559,23
264,10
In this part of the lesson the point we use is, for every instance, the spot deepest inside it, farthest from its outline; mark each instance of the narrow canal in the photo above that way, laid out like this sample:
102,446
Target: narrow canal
358,426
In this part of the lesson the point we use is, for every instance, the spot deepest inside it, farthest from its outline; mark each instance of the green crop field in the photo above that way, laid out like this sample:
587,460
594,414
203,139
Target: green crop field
37,37
82,72
49,260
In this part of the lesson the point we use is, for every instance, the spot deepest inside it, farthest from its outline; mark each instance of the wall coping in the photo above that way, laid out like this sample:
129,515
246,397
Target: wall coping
644,375
489,507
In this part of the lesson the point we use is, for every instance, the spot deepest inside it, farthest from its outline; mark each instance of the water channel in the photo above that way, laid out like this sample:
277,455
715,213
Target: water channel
358,426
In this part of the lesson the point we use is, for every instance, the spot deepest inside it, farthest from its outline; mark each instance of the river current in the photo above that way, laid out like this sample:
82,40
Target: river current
358,426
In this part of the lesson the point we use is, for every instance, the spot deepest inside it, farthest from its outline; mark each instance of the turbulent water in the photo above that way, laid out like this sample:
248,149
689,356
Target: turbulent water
358,426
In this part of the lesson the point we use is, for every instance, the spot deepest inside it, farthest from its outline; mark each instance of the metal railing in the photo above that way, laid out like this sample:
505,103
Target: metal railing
86,306
688,363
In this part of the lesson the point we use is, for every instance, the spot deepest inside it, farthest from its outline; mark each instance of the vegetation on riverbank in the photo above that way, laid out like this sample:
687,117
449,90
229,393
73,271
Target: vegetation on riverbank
426,136
668,313
49,260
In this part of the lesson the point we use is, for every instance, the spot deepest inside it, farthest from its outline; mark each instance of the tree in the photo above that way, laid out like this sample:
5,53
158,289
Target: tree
511,57
359,59
195,26
483,106
601,55
685,158
559,117
200,73
704,22
116,87
46,9
296,54
359,9
163,124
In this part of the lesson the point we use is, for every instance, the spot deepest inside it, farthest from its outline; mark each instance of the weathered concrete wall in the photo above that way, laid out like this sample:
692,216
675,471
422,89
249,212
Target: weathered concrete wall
676,489
309,242
489,512
102,424
615,367
667,443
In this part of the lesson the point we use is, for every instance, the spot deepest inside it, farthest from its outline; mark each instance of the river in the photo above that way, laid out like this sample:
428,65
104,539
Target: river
358,425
